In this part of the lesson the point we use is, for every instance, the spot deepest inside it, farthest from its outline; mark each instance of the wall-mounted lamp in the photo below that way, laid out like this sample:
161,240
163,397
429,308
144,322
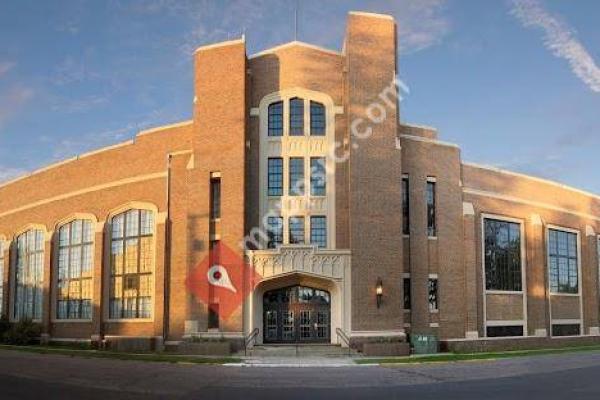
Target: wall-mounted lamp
379,291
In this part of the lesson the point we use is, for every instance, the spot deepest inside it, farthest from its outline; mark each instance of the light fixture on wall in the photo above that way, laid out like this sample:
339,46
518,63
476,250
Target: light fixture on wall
379,291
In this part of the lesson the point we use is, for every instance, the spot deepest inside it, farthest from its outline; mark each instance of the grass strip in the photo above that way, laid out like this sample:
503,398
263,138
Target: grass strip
454,357
151,357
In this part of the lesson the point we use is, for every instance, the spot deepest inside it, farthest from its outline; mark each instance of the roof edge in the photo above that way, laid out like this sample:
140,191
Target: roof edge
294,43
534,178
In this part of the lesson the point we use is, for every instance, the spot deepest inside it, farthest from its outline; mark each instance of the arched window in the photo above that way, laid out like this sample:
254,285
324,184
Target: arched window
131,265
1,276
75,270
317,119
29,275
276,119
296,117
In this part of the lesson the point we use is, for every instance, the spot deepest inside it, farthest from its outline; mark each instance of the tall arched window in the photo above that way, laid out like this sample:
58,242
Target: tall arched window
276,119
317,119
29,275
75,265
296,117
131,265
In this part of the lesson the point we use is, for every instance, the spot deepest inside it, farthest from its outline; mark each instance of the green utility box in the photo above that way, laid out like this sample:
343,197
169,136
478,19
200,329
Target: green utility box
424,344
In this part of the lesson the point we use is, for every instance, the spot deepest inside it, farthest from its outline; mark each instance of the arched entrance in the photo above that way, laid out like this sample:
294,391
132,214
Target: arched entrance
297,314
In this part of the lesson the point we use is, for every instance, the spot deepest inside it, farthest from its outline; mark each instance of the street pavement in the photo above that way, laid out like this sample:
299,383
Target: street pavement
33,376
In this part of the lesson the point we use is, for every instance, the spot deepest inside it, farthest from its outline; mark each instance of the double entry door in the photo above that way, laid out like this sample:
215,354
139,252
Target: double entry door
297,314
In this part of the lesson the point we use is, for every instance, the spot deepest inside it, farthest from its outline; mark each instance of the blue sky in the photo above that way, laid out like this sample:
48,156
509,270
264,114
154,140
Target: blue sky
515,82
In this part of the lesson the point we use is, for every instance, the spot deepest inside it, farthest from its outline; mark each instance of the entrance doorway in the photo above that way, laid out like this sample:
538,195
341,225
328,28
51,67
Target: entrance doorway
297,314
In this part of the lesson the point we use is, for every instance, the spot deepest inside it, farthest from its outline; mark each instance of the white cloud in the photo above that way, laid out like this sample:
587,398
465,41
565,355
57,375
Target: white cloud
421,24
76,105
72,70
12,101
71,146
6,66
560,39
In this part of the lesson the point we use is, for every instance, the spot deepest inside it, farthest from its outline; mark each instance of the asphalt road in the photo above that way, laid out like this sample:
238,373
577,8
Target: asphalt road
32,376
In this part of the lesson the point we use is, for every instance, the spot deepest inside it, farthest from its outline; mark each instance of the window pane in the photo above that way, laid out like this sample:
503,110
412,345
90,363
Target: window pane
147,222
317,119
132,264
562,262
276,119
75,263
29,275
407,304
215,198
275,177
502,241
132,223
275,231
296,230
433,294
296,117
431,222
318,231
405,207
318,176
296,176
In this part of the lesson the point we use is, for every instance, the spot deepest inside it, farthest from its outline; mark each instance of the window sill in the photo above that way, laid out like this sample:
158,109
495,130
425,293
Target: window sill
406,236
564,294
519,292
130,320
76,321
434,311
406,311
432,238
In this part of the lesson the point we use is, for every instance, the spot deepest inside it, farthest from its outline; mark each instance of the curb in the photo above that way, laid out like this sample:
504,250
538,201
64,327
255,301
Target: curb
292,365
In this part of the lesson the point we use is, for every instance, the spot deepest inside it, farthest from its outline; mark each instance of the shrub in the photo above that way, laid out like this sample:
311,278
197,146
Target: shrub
4,328
23,332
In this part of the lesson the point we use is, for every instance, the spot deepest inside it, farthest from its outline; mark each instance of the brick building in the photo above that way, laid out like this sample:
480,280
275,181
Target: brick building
353,223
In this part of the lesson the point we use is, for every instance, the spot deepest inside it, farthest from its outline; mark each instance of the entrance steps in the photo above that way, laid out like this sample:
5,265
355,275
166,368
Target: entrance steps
300,351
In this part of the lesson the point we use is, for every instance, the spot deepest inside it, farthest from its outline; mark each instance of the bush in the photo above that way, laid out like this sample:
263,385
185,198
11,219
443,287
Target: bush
23,332
4,328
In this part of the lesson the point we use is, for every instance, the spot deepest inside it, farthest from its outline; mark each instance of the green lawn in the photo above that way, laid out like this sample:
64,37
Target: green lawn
452,357
153,357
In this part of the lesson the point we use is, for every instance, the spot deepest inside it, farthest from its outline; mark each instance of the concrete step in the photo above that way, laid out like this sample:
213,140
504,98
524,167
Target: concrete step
304,350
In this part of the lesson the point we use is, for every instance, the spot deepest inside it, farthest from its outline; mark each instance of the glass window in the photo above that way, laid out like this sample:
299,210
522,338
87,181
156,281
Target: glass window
318,231
296,176
215,198
501,331
75,270
296,117
405,207
275,231
296,230
276,119
1,277
317,119
407,304
29,275
433,294
431,223
562,259
502,255
131,265
566,330
275,177
318,176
